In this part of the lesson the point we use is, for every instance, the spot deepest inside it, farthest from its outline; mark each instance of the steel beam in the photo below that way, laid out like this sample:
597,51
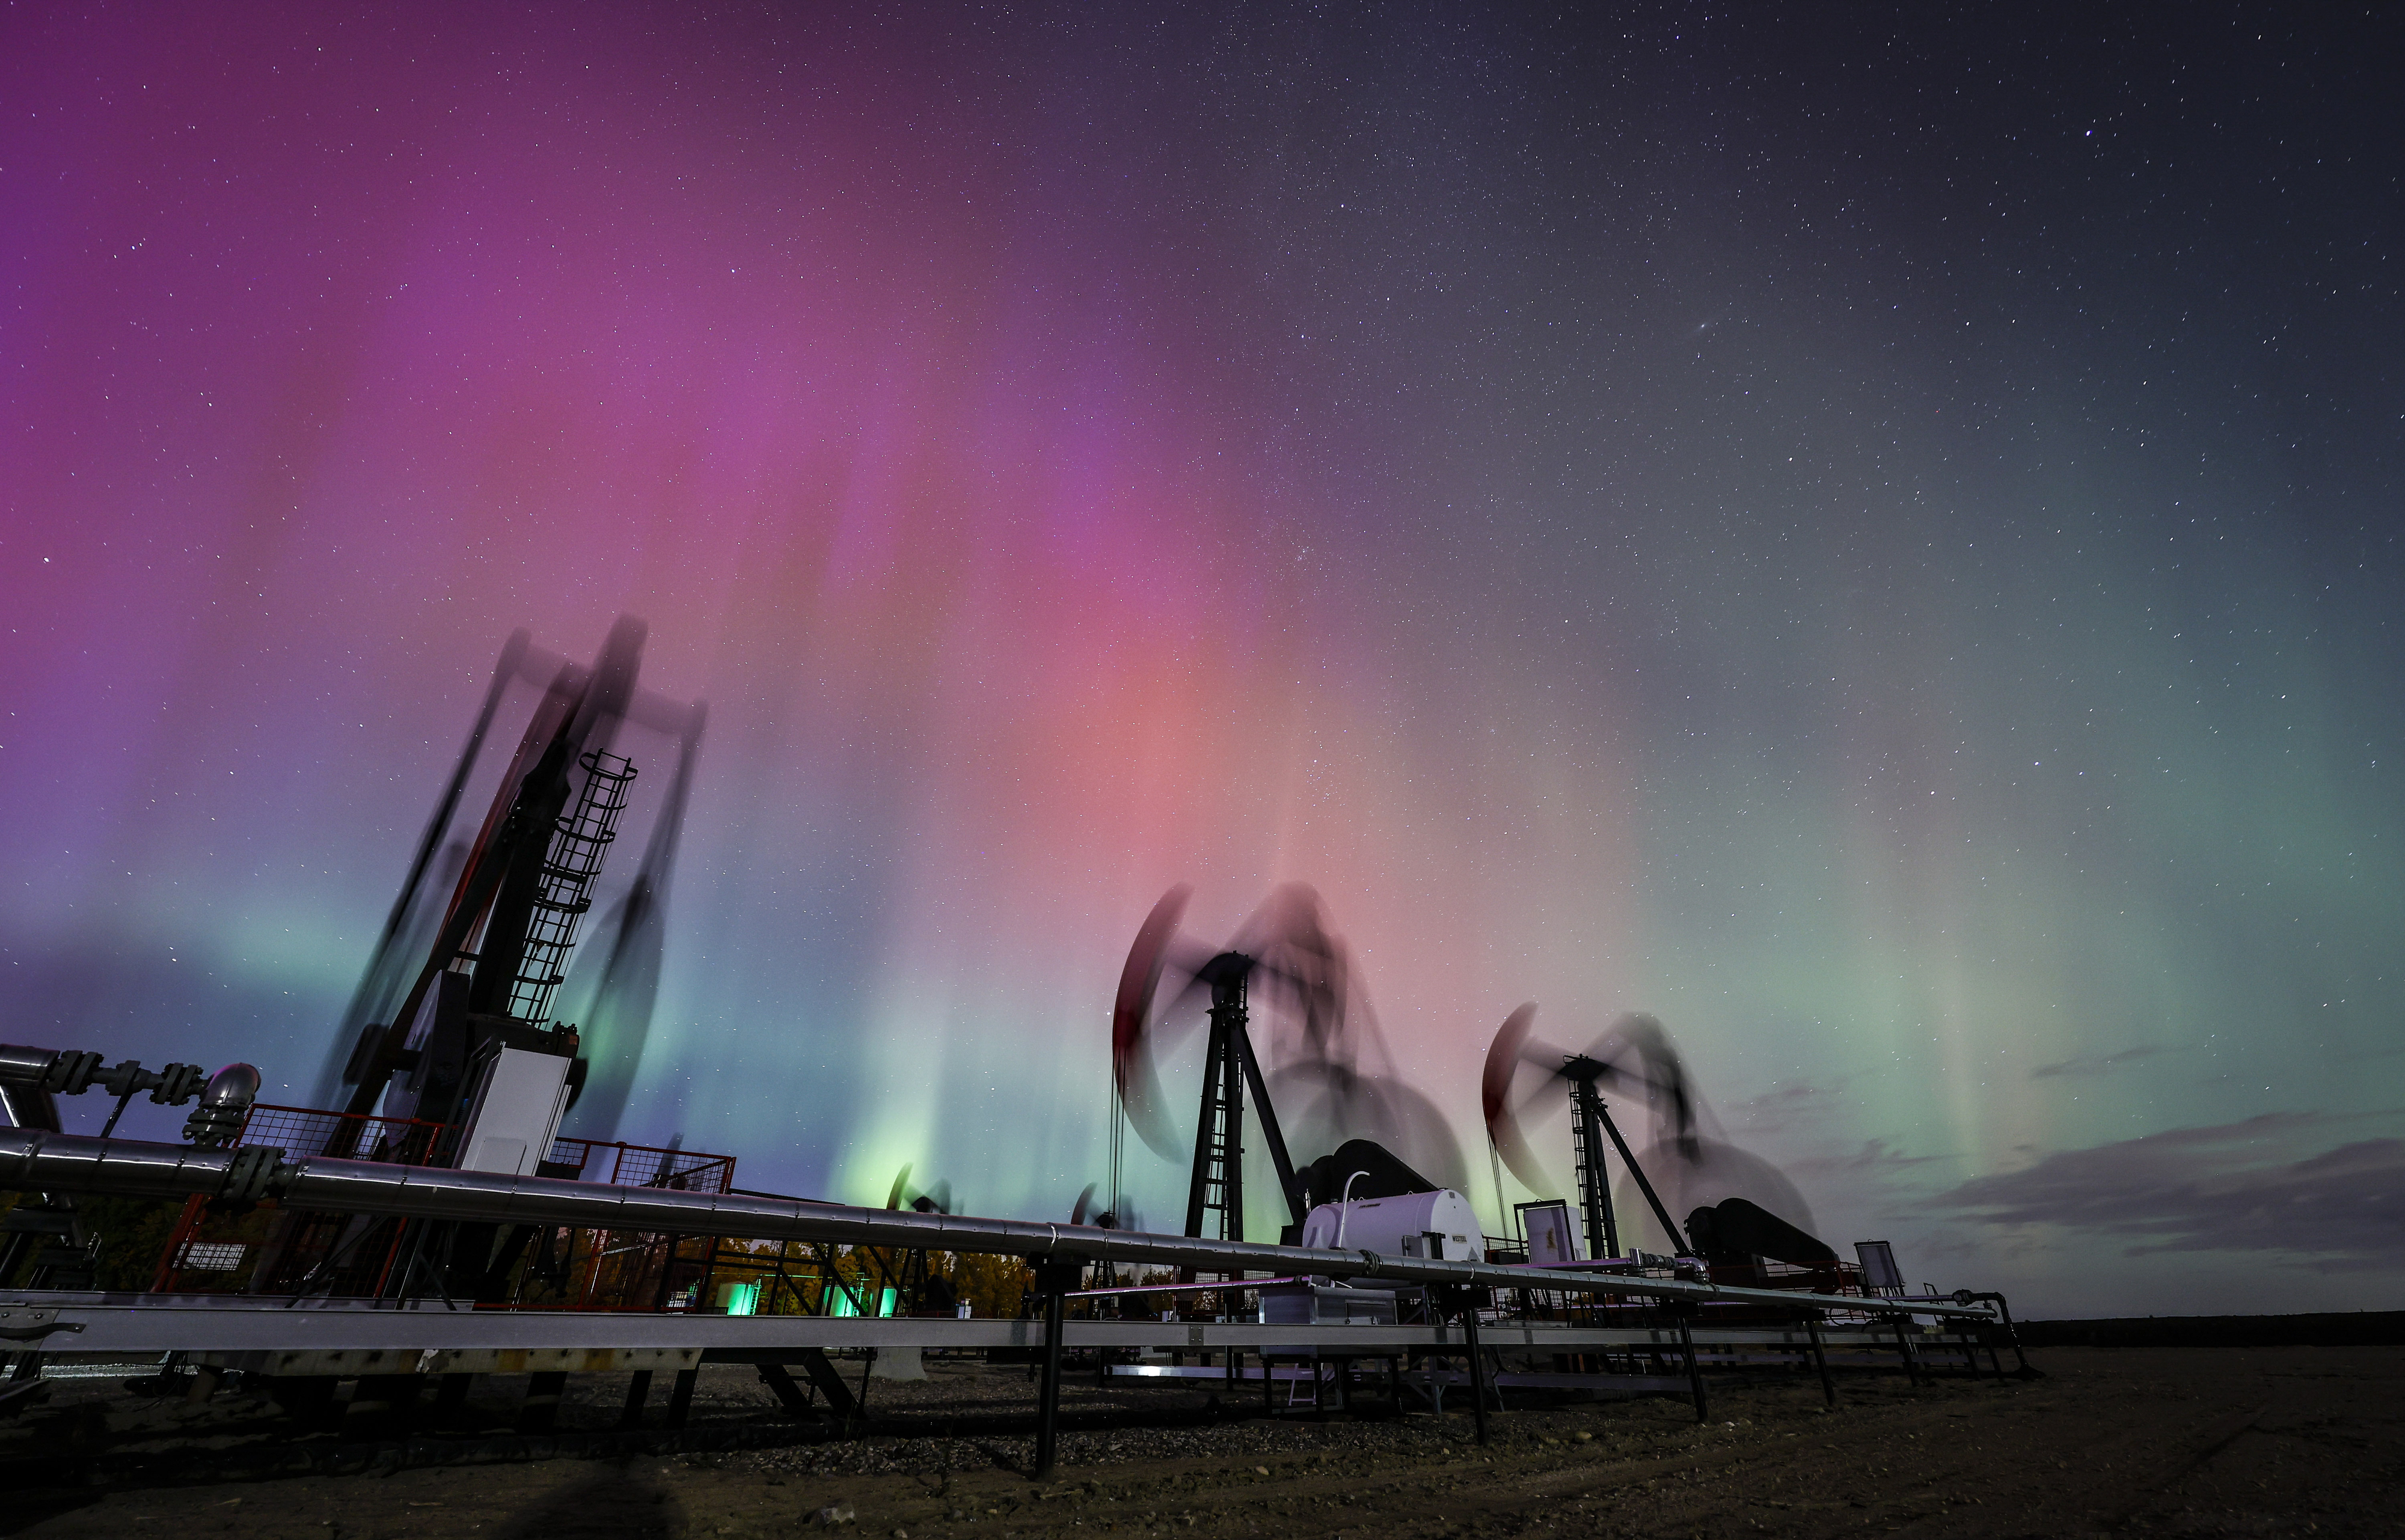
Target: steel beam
39,1160
297,1336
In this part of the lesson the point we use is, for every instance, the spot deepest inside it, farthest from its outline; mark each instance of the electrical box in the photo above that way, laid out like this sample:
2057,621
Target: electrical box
1553,1239
520,1099
1320,1305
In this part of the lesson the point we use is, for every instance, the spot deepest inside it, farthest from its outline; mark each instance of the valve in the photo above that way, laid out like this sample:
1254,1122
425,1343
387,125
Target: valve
225,1107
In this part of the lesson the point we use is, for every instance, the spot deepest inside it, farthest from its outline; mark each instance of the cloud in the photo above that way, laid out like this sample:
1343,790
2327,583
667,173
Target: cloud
2233,1187
1791,1104
1876,1160
2096,1064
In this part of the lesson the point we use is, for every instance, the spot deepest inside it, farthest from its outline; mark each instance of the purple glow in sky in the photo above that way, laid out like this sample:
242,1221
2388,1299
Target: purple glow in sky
1873,541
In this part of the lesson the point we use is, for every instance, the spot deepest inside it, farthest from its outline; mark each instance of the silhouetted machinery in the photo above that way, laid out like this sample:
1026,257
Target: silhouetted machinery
1638,1038
1285,956
462,979
1732,1233
1740,1209
459,1051
451,1026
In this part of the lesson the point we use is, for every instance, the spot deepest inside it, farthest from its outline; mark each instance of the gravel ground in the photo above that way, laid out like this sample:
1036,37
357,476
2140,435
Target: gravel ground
2187,1443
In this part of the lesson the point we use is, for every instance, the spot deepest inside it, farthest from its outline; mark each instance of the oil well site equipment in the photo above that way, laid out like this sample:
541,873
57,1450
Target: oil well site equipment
429,1221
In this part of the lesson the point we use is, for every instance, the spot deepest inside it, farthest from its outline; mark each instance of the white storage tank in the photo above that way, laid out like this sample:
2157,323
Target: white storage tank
1439,1224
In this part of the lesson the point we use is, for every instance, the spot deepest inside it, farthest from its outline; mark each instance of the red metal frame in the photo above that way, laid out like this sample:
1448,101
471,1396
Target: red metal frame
644,1165
306,1131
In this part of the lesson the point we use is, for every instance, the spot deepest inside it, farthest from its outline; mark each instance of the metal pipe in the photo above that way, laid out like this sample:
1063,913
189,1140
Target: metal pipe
1344,1206
20,1065
39,1160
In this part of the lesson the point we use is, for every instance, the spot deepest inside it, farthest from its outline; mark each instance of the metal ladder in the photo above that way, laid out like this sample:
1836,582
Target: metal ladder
579,841
1595,1195
1222,1185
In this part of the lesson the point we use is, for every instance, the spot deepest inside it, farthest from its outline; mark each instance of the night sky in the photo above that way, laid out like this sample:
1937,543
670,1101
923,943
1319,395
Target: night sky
1868,534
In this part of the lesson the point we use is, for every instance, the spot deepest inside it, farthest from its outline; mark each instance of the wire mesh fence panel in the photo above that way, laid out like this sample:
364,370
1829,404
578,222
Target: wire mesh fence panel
271,1250
625,1165
345,1136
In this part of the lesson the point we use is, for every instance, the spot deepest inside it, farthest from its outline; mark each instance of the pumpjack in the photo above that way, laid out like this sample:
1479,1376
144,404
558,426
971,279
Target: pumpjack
1656,1071
452,1025
1286,954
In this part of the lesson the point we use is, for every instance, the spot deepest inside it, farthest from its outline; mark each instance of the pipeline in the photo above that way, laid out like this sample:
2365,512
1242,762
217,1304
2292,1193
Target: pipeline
71,1072
39,1160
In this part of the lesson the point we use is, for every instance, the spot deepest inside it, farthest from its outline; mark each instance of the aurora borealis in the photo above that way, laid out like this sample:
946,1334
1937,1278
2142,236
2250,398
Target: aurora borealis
1874,541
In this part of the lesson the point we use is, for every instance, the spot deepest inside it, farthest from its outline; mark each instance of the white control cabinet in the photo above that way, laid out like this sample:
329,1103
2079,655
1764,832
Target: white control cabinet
516,1113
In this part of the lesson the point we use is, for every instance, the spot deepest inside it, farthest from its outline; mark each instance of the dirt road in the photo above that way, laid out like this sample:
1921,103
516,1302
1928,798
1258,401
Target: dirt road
2185,1442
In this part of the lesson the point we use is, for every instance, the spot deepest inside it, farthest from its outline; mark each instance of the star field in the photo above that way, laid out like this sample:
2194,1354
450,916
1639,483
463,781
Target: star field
1870,537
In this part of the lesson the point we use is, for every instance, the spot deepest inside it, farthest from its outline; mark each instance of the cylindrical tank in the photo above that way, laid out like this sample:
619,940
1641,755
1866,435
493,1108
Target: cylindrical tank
1440,1226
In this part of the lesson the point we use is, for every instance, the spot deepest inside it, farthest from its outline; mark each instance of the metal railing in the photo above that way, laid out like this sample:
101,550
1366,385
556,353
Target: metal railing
283,1247
349,1136
624,1165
